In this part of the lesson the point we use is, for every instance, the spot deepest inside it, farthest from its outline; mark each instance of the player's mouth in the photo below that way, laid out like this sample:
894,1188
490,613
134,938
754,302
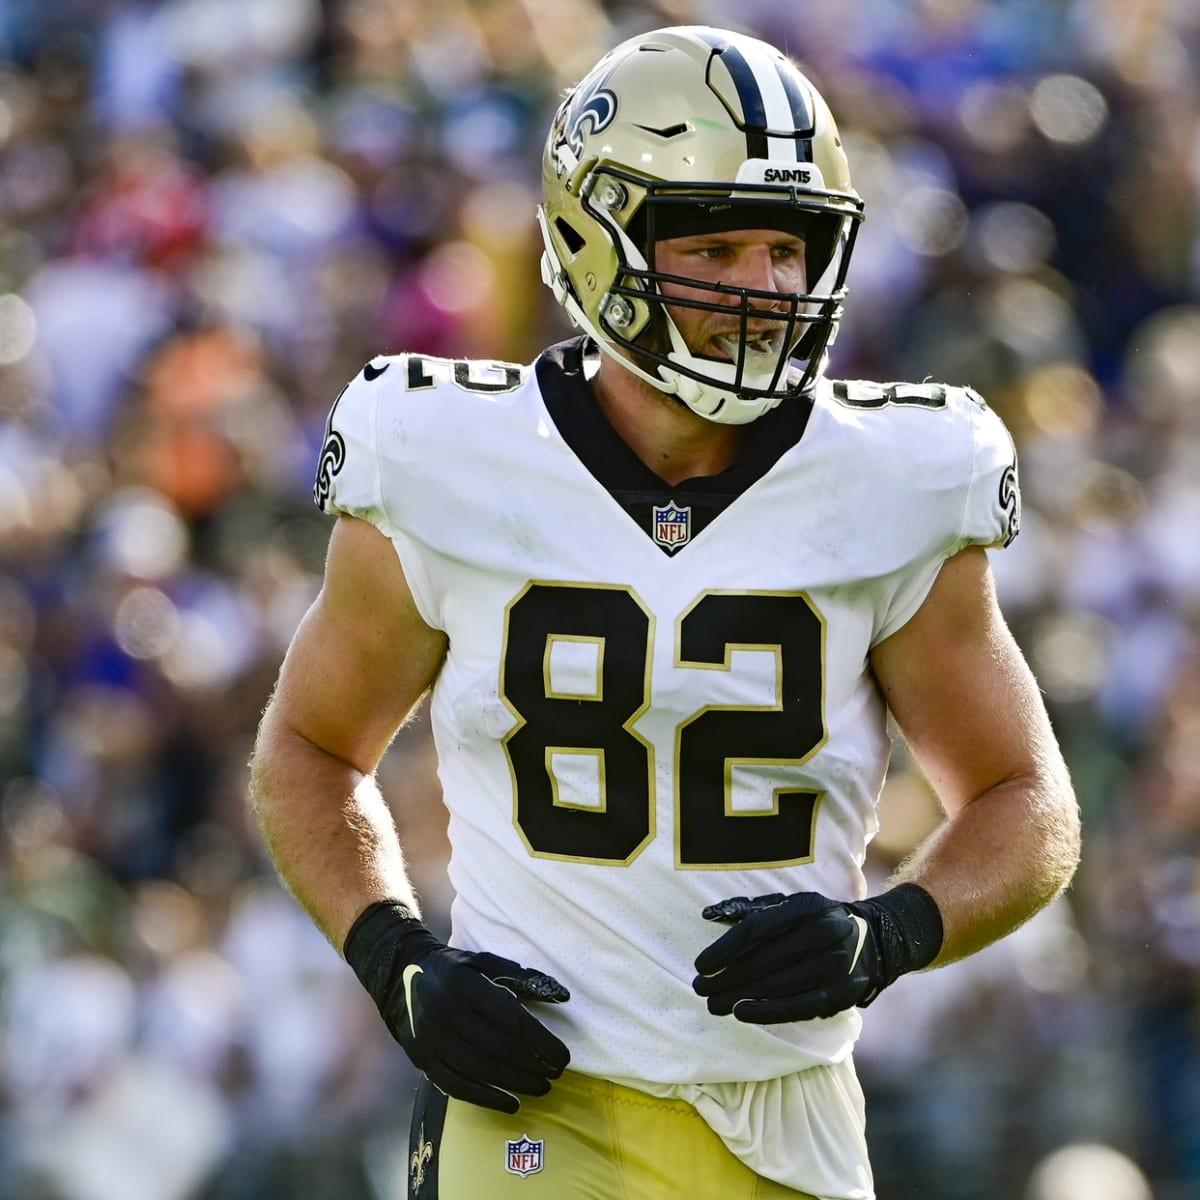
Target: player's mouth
761,350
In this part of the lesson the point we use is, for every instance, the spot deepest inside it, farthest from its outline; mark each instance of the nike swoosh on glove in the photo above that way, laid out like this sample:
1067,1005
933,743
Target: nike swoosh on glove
793,958
458,1014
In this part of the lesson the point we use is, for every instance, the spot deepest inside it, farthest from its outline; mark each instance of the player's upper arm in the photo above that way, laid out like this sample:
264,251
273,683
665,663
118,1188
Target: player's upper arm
961,691
362,656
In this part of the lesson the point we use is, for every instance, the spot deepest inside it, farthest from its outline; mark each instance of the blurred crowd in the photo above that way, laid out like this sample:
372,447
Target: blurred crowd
212,212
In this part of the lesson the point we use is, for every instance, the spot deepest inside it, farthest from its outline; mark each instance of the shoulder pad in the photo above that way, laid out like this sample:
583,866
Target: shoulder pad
991,513
349,470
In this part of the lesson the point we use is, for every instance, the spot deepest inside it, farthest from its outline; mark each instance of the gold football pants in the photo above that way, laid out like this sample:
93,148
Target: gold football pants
587,1140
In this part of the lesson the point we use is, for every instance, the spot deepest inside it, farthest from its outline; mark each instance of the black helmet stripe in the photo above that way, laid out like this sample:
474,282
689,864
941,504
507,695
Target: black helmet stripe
771,100
802,115
754,112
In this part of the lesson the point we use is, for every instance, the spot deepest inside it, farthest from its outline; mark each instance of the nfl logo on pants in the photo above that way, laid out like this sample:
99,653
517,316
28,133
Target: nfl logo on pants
525,1156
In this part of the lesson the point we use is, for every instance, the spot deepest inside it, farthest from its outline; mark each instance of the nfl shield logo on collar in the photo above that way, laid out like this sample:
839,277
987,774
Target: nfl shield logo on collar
525,1156
672,525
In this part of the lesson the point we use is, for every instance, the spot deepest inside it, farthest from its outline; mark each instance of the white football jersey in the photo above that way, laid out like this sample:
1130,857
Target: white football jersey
657,697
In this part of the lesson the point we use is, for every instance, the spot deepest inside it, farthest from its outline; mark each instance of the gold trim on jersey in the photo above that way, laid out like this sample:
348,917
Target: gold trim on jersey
731,762
554,639
790,628
626,725
556,781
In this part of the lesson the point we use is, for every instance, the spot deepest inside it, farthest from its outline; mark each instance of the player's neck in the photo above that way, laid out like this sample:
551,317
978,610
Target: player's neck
667,436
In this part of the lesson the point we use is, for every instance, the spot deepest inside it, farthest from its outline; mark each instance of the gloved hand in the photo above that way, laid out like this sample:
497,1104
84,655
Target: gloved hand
792,958
457,1014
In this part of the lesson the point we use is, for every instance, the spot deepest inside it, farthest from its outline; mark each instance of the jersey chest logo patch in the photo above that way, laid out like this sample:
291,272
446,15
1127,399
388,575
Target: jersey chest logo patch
525,1156
672,525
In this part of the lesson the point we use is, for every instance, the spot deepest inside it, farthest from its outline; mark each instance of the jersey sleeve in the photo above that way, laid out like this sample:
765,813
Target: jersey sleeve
966,479
349,479
992,506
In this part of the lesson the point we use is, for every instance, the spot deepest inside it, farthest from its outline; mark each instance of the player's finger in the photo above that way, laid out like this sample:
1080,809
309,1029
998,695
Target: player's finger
529,984
457,1085
806,1006
737,907
812,926
744,939
494,1064
495,1008
779,961
787,979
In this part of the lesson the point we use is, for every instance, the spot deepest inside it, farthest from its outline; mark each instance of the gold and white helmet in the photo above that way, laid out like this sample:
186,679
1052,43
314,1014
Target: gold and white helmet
695,130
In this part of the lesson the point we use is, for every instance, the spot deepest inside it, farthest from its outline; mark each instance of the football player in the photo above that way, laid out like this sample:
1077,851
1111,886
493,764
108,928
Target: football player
665,586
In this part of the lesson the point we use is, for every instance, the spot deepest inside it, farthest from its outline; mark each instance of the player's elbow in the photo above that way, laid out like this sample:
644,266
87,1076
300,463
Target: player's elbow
1056,812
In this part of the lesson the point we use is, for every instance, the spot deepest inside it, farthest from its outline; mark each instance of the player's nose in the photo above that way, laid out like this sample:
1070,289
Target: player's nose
759,271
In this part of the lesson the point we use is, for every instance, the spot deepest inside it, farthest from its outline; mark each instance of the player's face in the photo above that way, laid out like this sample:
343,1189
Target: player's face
759,259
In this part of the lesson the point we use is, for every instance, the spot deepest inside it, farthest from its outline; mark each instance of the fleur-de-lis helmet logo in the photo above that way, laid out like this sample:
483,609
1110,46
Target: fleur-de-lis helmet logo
586,111
595,113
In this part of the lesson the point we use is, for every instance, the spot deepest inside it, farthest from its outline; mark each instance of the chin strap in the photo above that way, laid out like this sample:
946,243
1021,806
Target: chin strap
710,400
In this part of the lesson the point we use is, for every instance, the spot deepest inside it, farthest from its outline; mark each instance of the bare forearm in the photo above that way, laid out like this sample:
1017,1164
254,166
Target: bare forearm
327,828
1003,857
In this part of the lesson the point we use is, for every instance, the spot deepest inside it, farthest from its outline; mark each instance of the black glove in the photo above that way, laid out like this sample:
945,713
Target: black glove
458,1014
792,958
